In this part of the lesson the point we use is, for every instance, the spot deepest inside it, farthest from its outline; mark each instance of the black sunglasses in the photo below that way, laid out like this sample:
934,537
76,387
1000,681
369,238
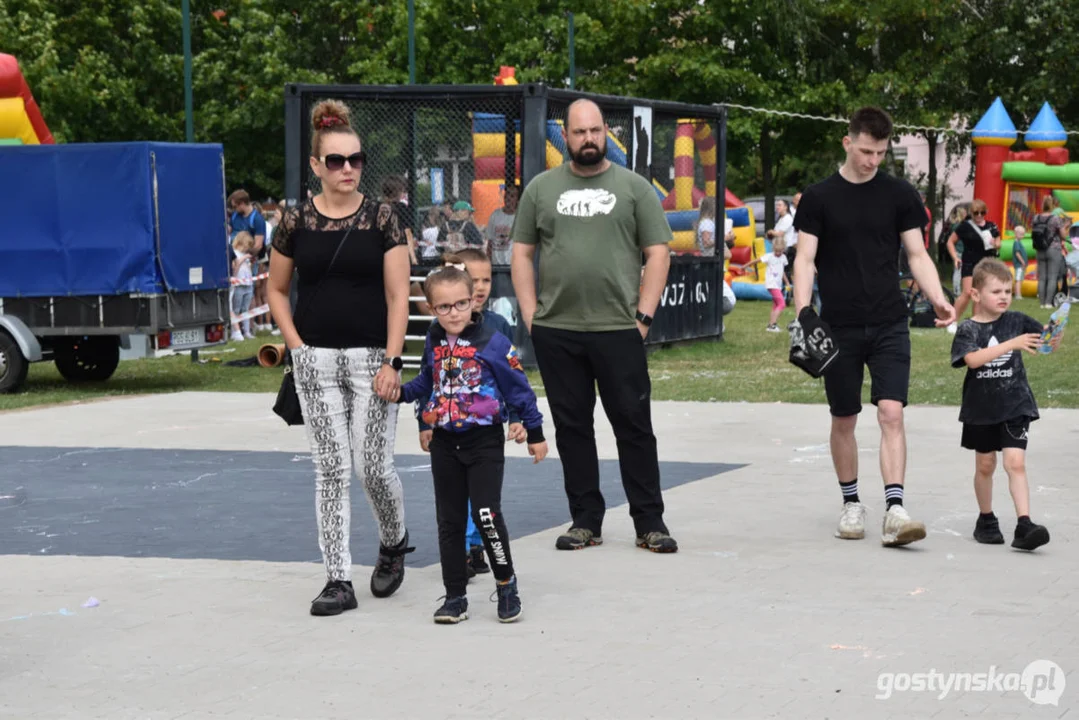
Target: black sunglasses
978,212
335,161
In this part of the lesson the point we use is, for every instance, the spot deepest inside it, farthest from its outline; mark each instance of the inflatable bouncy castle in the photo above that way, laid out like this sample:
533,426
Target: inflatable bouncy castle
1014,183
20,119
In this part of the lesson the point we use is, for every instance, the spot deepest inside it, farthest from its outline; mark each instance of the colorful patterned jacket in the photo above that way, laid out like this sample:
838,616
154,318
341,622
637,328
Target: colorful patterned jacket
474,383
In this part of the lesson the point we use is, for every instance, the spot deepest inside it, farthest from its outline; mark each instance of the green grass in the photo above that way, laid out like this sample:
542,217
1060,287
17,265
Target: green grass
748,365
751,365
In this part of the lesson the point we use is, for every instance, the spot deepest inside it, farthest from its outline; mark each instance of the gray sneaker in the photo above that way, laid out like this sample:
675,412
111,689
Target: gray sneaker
577,538
898,529
851,522
658,542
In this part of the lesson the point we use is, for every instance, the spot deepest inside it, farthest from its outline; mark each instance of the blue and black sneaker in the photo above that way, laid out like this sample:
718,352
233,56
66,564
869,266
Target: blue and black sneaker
453,611
509,603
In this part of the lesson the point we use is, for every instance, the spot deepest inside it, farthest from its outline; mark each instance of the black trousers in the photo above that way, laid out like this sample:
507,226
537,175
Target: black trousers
468,465
572,364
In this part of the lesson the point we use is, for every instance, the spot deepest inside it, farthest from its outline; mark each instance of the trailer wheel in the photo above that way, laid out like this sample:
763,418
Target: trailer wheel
88,359
13,366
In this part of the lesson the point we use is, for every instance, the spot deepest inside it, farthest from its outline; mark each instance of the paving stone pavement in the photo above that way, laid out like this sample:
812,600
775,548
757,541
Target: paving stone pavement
762,614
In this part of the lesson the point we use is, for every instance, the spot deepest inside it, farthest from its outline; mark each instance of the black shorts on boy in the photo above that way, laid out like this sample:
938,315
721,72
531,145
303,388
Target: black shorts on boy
997,437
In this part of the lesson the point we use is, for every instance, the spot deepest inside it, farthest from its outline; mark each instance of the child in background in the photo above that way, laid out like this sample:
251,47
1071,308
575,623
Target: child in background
998,404
242,294
1019,260
469,374
429,250
774,263
705,228
478,267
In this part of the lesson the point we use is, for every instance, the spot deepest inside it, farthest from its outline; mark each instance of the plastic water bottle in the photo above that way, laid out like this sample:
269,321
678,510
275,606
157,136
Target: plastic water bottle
1057,321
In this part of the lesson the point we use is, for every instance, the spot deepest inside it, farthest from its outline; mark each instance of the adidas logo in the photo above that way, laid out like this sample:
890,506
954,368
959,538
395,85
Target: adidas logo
1003,359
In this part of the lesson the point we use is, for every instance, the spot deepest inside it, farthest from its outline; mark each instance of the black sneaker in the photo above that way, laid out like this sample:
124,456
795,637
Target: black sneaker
453,611
390,569
334,599
468,566
658,542
509,604
478,560
576,538
1030,537
987,531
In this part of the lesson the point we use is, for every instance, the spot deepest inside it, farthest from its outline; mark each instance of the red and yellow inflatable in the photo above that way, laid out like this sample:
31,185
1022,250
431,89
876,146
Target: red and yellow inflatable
20,118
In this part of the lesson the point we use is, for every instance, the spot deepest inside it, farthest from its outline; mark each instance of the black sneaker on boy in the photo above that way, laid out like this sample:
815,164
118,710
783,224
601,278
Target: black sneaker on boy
1029,536
479,560
453,611
987,530
509,603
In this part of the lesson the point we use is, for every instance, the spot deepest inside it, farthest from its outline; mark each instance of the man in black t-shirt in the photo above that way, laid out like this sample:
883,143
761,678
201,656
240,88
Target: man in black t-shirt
850,229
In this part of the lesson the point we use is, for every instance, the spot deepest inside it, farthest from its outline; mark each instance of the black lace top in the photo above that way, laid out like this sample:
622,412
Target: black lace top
345,307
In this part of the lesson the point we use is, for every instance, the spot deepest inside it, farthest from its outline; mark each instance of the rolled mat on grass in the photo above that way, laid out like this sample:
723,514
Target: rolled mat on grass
271,355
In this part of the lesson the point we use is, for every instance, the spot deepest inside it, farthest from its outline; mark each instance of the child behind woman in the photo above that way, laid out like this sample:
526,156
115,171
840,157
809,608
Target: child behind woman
242,294
468,376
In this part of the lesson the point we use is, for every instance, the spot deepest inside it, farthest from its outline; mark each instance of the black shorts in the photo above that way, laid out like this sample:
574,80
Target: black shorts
885,349
992,438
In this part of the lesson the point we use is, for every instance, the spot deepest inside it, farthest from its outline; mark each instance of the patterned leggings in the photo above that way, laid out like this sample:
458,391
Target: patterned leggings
350,429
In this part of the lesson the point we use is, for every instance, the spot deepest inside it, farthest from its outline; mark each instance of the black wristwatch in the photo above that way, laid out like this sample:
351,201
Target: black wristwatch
643,319
395,362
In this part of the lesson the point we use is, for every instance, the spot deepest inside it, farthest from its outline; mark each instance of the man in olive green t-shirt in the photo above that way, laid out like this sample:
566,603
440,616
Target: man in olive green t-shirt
592,221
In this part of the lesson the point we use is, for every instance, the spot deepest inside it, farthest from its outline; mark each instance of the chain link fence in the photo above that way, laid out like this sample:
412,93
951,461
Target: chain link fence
462,147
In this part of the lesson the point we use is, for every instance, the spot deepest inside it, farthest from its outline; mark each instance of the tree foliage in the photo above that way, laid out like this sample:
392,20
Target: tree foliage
105,70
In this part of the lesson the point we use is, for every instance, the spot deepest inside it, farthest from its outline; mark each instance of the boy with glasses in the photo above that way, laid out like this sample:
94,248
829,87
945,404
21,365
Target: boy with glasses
470,374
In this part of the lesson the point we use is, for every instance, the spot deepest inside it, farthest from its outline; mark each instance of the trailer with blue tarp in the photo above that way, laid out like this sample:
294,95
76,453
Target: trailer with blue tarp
99,242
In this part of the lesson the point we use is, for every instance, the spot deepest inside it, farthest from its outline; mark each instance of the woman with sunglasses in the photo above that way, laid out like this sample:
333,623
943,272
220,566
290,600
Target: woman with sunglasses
980,238
345,339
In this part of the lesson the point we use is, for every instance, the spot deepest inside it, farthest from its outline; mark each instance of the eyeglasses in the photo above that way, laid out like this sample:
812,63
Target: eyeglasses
335,161
459,306
978,212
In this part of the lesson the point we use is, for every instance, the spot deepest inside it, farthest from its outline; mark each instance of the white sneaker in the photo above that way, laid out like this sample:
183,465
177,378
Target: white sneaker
952,328
899,529
773,328
237,337
851,522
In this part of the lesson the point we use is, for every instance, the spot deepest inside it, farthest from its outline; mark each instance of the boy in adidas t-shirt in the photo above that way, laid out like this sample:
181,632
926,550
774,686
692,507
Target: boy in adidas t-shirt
998,404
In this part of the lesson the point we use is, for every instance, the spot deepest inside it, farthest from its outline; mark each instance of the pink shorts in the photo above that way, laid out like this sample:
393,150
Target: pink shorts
777,298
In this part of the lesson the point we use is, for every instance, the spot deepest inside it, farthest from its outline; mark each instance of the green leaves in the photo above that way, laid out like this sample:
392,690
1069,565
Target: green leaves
113,69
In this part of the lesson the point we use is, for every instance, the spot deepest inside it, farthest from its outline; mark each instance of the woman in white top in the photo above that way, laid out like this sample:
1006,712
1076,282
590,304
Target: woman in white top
785,229
429,254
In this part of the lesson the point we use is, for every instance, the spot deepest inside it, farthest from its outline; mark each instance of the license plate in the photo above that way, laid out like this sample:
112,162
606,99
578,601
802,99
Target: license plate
195,336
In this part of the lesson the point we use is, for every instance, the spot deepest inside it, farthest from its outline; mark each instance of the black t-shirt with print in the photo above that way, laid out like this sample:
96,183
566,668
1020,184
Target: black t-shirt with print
997,391
858,227
973,243
348,309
